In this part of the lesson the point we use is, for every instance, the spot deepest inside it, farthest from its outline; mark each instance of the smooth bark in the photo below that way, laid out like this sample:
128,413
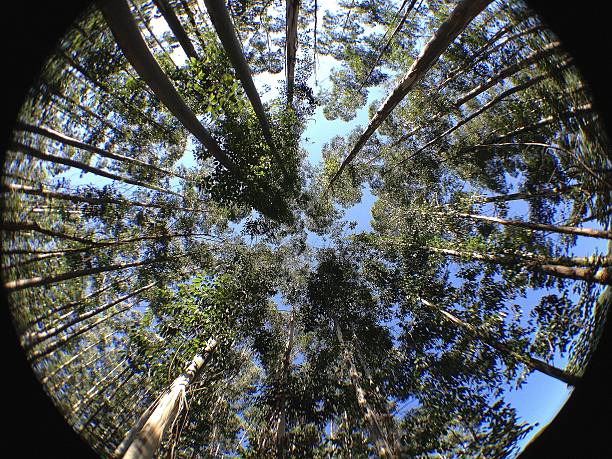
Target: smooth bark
119,18
143,440
561,229
291,31
31,151
33,338
222,22
177,29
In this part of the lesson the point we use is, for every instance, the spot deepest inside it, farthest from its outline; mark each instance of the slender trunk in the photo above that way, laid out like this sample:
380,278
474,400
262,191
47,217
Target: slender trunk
143,440
509,71
46,91
99,387
86,167
34,259
66,140
459,19
222,22
291,30
67,338
587,232
371,417
80,198
383,49
492,103
578,111
34,226
527,196
119,18
33,338
483,52
12,286
57,369
146,22
105,403
81,301
177,29
279,434
103,87
546,265
531,362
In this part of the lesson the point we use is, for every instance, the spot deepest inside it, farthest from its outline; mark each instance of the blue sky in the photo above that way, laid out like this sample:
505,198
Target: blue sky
541,397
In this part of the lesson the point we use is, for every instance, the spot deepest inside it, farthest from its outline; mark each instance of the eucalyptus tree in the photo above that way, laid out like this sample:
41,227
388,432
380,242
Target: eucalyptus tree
160,217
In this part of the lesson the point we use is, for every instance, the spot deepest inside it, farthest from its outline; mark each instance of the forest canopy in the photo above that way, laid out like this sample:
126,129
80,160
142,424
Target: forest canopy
319,229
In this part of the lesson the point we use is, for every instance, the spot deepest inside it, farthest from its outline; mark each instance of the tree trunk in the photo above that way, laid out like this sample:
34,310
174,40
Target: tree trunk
509,71
33,338
279,434
177,29
80,198
222,22
98,388
66,140
587,232
86,168
383,49
459,19
66,338
527,196
47,376
483,53
291,30
372,418
119,18
493,102
540,264
12,286
531,362
33,226
142,441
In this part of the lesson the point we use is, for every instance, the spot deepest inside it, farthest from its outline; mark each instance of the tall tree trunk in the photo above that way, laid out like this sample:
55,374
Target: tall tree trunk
31,151
291,30
385,448
531,362
577,111
509,71
222,22
105,404
33,338
34,356
47,376
492,103
484,52
529,195
587,232
80,198
459,19
142,441
119,18
66,140
279,434
177,29
99,388
383,49
34,226
592,273
15,285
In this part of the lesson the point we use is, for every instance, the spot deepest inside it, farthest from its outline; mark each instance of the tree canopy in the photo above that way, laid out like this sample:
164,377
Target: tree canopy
186,276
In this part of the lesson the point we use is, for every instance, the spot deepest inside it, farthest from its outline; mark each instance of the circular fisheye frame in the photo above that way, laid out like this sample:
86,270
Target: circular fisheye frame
308,229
